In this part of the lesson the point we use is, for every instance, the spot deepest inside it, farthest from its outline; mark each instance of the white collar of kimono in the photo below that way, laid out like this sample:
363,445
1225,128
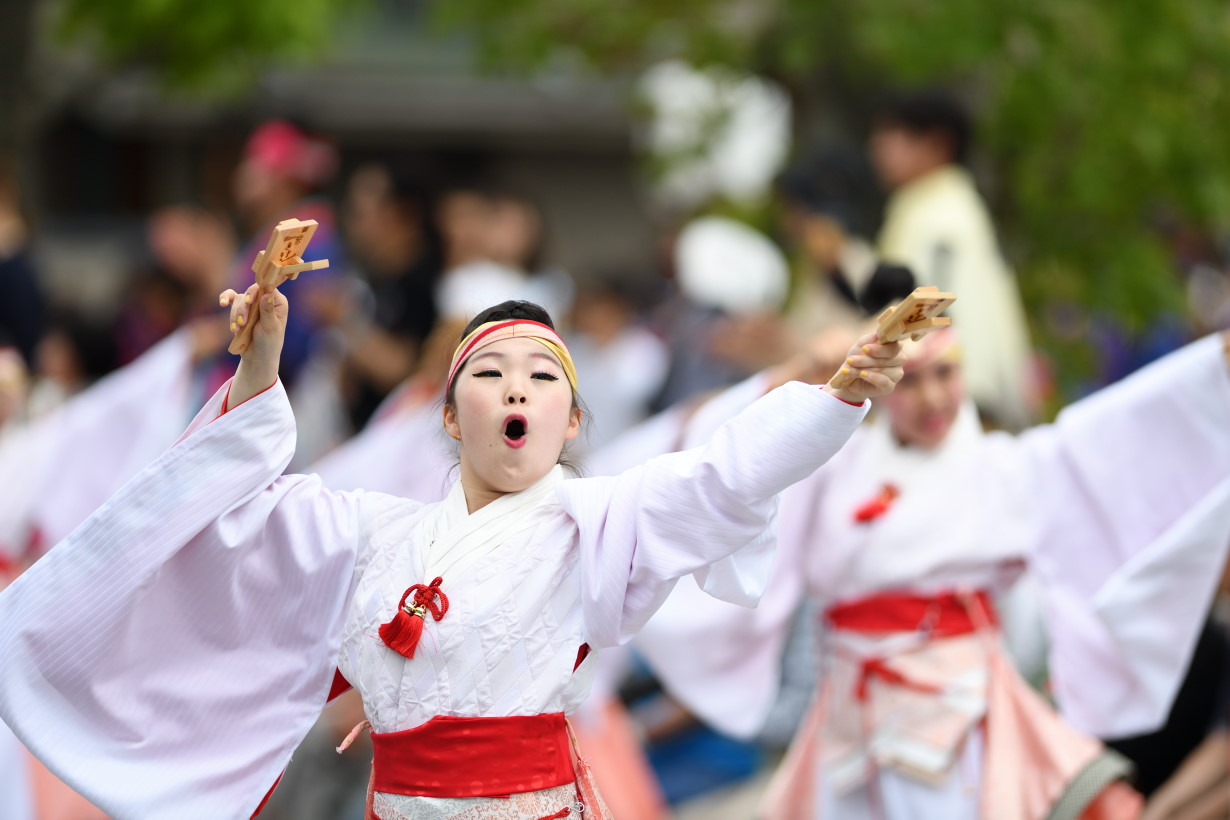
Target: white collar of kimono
452,538
901,463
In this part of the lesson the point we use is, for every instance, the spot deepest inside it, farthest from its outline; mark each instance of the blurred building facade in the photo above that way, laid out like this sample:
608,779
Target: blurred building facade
117,147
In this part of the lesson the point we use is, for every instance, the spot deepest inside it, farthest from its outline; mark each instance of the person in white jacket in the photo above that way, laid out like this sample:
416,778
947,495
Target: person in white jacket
937,224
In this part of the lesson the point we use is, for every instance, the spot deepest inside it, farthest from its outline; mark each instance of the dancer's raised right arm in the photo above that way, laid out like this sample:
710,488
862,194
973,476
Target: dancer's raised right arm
258,364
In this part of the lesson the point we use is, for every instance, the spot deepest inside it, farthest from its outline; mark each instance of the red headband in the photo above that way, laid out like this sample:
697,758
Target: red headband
492,332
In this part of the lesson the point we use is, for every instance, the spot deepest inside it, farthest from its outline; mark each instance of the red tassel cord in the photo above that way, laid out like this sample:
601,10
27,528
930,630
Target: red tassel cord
877,506
403,632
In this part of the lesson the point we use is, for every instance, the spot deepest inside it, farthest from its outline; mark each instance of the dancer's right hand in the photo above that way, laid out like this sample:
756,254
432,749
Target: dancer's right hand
258,364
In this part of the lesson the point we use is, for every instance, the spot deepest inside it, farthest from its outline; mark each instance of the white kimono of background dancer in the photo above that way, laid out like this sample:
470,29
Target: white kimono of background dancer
1121,509
170,654
56,470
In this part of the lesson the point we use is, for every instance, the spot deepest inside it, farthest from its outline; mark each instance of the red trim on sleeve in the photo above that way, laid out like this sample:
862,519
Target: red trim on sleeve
36,545
227,398
839,398
340,686
268,795
8,571
582,654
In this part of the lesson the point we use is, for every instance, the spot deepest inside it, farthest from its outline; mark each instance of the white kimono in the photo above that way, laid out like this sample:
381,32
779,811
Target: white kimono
402,452
1121,509
56,470
170,654
15,798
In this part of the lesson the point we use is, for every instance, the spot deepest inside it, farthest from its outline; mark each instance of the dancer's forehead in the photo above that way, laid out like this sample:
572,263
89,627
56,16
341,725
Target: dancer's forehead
937,346
507,348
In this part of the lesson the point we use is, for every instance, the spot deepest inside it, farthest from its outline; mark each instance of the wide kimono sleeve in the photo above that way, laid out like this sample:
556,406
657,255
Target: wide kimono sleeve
1130,490
364,460
167,657
57,470
681,513
722,661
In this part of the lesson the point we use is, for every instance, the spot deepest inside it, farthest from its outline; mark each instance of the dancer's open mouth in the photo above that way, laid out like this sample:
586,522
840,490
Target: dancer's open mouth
515,429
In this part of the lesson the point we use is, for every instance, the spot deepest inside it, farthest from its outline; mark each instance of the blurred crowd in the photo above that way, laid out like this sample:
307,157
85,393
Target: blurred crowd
412,257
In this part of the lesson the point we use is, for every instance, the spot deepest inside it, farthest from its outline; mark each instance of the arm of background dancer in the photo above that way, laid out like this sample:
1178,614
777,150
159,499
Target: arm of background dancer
1136,475
1200,789
1225,338
821,356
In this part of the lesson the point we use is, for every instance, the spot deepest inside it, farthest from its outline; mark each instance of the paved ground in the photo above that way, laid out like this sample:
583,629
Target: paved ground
733,803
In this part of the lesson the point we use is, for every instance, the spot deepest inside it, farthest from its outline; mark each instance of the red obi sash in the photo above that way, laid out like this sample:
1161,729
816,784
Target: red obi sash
474,757
945,615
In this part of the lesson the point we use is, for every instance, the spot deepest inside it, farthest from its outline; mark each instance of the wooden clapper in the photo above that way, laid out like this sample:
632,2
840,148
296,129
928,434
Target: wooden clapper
281,259
916,316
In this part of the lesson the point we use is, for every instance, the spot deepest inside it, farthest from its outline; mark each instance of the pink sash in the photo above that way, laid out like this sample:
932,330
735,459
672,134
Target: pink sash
1032,754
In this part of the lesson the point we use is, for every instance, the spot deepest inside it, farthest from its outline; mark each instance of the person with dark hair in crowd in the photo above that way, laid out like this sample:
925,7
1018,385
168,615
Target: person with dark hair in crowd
937,223
23,311
158,307
383,323
190,253
283,173
828,196
75,351
494,243
610,336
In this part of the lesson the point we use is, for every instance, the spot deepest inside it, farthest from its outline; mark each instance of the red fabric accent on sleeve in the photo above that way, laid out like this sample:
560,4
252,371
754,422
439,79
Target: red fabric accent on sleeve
8,570
268,794
227,398
851,403
582,654
37,544
340,686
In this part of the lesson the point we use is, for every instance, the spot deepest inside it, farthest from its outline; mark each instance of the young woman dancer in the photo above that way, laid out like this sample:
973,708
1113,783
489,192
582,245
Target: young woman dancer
170,654
1121,510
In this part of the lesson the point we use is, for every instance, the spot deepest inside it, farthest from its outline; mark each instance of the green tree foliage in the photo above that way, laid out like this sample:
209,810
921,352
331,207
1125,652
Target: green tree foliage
1095,118
202,44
